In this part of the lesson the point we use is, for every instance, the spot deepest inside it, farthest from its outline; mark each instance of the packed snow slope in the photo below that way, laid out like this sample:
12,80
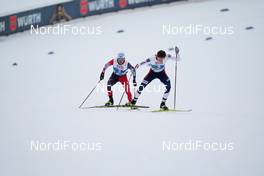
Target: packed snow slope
221,80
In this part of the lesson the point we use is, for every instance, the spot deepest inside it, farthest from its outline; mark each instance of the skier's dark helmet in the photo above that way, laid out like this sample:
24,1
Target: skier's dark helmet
120,58
161,54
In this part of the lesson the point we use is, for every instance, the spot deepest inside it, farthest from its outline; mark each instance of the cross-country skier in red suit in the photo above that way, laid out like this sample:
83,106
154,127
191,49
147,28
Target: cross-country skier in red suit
120,69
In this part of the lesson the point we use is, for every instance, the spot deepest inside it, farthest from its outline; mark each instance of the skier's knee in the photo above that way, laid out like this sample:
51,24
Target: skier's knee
141,87
108,87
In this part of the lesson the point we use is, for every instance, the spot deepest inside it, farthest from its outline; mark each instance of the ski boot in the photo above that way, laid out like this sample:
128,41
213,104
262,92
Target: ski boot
163,106
128,104
133,104
110,101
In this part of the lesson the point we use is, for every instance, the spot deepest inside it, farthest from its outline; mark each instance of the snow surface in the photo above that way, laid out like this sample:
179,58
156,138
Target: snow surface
220,79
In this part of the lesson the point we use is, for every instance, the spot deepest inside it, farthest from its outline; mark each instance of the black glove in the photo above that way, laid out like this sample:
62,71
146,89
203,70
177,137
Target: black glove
177,50
134,82
102,76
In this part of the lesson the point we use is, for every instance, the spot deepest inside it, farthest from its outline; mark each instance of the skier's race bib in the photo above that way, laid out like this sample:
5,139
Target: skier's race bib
157,67
120,69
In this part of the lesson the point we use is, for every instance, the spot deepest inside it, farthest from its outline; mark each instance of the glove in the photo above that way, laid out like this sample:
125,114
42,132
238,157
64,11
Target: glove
102,76
134,82
177,50
137,66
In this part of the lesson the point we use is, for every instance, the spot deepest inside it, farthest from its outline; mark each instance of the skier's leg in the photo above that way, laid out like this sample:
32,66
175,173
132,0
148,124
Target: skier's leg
148,78
112,81
125,83
166,81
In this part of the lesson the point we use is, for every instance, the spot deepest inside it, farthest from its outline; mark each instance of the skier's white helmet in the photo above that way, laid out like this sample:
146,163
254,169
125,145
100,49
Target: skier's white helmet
120,58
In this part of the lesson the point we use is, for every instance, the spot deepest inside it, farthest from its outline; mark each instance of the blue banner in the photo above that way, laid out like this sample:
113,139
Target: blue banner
67,11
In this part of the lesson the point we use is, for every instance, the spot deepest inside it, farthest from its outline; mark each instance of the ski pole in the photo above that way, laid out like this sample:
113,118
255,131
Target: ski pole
89,94
123,93
175,81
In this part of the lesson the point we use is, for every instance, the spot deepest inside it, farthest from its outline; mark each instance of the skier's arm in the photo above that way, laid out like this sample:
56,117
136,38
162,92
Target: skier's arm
143,63
175,56
133,71
108,64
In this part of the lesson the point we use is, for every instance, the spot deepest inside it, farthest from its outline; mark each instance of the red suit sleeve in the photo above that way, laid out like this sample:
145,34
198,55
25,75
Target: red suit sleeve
111,62
108,64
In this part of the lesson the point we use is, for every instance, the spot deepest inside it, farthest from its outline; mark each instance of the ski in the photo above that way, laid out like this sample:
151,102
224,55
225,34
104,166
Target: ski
114,106
172,110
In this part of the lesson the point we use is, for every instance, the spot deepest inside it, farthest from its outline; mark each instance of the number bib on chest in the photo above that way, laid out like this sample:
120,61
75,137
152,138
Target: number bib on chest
120,69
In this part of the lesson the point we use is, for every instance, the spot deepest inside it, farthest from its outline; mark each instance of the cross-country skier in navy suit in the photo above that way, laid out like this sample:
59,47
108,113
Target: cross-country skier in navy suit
157,71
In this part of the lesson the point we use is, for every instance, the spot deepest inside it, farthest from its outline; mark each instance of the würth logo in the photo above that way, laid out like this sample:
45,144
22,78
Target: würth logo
83,7
13,23
122,3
